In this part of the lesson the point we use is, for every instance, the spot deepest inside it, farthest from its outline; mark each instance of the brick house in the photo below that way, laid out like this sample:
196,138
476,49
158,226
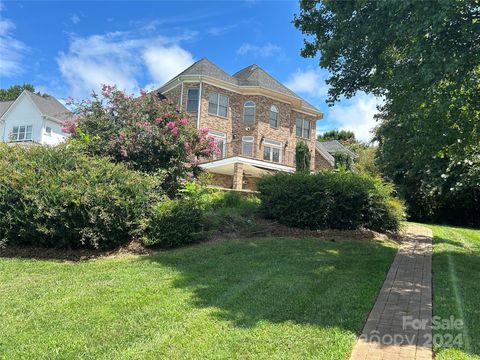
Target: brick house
255,120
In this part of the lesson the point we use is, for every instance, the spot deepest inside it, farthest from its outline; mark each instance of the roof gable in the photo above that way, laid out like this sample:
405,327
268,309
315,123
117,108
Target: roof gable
46,105
252,75
205,67
334,146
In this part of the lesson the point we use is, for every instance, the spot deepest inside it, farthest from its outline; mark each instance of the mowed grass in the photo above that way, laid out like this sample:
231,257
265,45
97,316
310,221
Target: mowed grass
266,298
456,283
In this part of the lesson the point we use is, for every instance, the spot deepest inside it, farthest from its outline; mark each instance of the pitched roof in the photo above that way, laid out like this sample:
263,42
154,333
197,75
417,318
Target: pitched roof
333,146
50,106
4,105
252,75
206,68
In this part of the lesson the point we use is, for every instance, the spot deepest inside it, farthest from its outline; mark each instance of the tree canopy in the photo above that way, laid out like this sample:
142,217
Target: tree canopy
340,135
422,57
14,91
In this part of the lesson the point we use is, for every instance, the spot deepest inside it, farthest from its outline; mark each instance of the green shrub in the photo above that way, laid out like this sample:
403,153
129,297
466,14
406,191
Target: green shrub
330,199
175,222
56,197
198,212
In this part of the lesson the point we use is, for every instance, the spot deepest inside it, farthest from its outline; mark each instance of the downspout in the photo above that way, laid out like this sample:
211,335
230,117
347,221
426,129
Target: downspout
181,98
199,105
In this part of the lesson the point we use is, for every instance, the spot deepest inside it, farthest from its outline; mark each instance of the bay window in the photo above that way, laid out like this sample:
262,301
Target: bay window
272,150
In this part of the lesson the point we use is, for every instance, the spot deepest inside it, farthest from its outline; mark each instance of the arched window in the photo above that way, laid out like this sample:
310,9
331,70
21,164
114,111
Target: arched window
249,112
273,116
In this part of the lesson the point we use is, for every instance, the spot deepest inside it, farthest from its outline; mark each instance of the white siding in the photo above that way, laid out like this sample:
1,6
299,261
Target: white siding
24,113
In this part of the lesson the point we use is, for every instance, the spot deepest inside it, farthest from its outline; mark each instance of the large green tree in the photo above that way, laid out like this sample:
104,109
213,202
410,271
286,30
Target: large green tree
14,91
422,57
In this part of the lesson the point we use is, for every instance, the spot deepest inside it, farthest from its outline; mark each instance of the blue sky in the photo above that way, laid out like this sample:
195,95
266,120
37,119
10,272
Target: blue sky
68,48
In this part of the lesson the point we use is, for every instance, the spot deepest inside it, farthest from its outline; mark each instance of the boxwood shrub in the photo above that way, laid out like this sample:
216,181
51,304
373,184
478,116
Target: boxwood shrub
330,200
56,197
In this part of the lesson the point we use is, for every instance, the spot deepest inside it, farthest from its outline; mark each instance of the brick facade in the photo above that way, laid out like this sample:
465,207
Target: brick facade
235,128
321,162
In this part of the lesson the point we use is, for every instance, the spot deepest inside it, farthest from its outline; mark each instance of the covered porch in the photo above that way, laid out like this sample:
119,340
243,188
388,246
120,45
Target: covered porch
241,173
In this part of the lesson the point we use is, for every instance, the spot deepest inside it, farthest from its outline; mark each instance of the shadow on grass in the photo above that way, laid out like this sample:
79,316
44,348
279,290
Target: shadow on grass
456,291
299,280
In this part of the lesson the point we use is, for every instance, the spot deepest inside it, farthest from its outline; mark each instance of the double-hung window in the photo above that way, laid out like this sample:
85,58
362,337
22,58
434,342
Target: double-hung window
218,104
247,145
220,139
273,117
303,128
272,150
22,133
249,112
192,100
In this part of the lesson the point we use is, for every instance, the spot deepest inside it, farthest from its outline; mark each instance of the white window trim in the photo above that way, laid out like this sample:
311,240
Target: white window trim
248,139
221,136
217,113
198,99
303,128
16,139
254,106
276,116
273,144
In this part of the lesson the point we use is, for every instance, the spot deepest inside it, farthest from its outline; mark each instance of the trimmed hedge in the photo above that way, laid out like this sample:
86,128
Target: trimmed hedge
330,200
56,197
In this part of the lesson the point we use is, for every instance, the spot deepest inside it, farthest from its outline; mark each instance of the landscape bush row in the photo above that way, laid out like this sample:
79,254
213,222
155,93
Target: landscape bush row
60,197
330,200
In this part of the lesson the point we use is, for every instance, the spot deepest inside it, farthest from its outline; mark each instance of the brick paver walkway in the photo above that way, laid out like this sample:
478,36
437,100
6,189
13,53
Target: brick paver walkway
399,325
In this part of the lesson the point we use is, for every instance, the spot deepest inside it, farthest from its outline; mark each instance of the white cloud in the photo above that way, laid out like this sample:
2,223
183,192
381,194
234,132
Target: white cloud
11,50
309,82
75,19
165,62
259,51
120,58
356,114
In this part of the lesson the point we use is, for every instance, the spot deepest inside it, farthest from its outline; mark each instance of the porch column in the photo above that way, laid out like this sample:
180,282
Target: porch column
238,176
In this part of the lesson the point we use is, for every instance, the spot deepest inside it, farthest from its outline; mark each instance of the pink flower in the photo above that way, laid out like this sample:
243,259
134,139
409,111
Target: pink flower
171,125
203,131
175,131
69,127
158,120
143,92
124,152
187,146
183,121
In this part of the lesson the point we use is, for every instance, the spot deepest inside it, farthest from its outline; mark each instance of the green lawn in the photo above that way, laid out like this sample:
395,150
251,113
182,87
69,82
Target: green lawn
456,282
265,298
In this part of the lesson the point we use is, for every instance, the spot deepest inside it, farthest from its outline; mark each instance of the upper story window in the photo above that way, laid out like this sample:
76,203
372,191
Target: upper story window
218,104
249,112
247,145
273,116
22,133
272,150
303,128
220,139
192,100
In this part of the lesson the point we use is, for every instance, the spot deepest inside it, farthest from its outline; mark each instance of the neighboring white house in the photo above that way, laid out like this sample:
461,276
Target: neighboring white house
33,119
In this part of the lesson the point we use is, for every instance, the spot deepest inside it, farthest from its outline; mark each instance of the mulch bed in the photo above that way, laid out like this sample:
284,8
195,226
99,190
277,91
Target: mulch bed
34,252
264,228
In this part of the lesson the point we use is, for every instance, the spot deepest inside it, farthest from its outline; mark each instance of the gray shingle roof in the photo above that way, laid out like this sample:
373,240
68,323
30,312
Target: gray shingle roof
50,106
4,105
252,75
333,146
206,68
